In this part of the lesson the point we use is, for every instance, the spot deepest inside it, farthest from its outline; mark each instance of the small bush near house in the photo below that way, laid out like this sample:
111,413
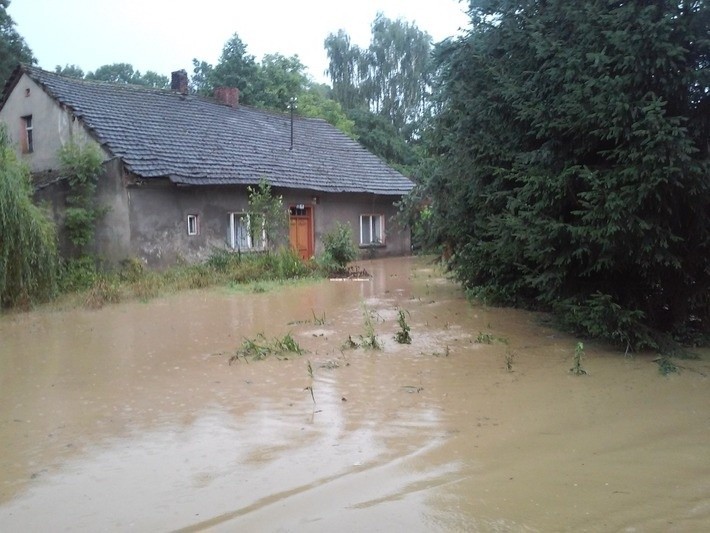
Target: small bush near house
339,249
78,274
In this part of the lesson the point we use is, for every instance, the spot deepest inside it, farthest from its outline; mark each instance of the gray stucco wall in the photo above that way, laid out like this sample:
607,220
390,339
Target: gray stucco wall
159,211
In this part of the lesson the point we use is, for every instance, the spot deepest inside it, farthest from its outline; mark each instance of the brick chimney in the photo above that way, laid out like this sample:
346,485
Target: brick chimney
227,96
179,81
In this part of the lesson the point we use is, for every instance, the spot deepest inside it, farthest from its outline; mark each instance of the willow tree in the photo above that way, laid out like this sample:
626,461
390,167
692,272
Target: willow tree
572,163
28,243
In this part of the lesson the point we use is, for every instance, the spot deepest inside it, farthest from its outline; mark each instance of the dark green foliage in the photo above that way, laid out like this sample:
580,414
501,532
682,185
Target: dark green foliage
236,68
381,138
315,103
28,244
13,48
572,163
339,248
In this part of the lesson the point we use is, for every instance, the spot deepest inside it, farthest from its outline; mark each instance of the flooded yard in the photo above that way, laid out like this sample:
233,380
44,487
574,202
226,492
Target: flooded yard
131,418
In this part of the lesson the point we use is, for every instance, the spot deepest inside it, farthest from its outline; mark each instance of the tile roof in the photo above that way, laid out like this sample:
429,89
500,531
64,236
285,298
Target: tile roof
197,141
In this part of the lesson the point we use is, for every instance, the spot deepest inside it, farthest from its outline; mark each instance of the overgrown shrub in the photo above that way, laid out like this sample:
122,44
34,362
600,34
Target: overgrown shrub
82,165
339,249
78,274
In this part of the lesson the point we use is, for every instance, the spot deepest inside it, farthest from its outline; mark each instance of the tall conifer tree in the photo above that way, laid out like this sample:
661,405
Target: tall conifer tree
572,164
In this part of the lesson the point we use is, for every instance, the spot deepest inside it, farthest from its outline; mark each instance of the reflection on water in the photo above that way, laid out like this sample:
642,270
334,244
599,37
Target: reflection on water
130,417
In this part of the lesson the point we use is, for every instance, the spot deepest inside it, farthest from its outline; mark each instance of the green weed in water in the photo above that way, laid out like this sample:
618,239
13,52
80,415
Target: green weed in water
403,336
260,348
665,365
509,358
369,339
350,344
577,369
489,338
318,320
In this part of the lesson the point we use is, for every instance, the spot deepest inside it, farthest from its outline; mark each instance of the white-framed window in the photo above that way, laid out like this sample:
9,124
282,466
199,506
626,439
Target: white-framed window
242,236
28,140
372,229
193,225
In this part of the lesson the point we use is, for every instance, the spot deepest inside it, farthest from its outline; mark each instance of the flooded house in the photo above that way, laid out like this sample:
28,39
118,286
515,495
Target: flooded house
177,168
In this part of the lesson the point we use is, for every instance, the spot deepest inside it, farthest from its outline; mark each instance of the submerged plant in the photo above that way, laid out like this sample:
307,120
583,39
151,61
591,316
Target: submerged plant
486,338
309,368
350,344
403,336
509,358
260,348
369,339
287,344
665,365
577,369
318,320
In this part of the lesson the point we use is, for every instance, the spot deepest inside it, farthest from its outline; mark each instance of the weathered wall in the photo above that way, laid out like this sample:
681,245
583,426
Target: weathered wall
53,126
159,209
112,240
113,234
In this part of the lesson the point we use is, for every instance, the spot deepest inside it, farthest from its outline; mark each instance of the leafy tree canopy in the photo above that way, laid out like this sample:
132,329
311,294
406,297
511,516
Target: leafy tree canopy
271,83
69,71
392,77
13,49
380,137
571,163
236,68
124,73
277,80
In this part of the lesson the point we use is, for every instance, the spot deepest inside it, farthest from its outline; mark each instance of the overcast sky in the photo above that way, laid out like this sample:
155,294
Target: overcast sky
165,35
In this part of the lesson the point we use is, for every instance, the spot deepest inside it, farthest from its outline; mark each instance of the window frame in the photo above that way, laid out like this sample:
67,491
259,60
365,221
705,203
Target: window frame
232,240
373,218
193,224
28,145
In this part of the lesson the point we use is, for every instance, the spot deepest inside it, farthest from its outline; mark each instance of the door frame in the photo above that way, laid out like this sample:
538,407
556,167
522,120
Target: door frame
308,215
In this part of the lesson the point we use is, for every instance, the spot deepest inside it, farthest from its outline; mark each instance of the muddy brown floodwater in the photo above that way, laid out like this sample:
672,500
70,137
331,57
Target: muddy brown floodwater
130,417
